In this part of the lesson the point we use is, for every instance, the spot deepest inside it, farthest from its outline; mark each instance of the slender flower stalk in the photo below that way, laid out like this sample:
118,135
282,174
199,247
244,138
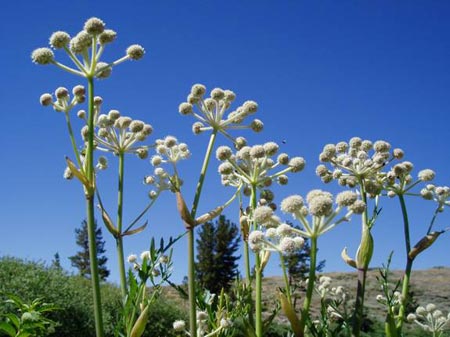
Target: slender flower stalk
311,281
119,239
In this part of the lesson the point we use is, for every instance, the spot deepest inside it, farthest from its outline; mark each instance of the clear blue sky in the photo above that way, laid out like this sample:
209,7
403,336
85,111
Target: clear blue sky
321,71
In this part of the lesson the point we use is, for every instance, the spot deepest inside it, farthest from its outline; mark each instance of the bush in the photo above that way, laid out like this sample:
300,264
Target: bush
73,296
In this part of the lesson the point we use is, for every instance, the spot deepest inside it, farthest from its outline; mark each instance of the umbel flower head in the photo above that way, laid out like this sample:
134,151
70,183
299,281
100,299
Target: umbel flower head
430,319
168,153
358,161
320,206
85,50
116,133
213,111
440,194
258,166
61,100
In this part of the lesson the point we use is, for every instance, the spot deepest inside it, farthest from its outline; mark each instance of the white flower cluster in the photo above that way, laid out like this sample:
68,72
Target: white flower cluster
320,206
440,194
356,161
85,50
255,166
62,101
156,267
212,111
168,151
430,319
118,134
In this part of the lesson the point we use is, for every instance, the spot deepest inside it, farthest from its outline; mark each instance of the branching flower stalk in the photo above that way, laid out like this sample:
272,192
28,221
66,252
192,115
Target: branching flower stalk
211,117
88,45
359,163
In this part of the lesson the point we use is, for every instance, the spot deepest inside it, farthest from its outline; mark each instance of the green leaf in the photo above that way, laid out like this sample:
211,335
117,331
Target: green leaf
8,329
14,320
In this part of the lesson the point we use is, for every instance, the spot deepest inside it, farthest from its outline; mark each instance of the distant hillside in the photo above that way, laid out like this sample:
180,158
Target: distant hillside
428,286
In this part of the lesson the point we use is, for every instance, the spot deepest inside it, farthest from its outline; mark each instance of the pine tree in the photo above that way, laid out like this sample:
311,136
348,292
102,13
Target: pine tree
216,260
56,262
81,259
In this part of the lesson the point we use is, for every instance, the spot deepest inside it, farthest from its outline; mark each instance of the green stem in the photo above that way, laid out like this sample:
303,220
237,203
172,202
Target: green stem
73,142
248,273
311,281
191,239
258,297
90,192
408,268
285,279
119,239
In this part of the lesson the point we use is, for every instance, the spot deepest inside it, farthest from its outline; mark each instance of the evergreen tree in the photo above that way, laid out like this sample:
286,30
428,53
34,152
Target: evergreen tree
56,262
81,260
216,260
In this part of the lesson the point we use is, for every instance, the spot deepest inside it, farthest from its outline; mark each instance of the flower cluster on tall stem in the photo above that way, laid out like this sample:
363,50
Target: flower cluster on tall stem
85,50
212,116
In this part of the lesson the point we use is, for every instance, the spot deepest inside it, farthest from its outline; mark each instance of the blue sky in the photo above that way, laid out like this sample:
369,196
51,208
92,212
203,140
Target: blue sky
321,71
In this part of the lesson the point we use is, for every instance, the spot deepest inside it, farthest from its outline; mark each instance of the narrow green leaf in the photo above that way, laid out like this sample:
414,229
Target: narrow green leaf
8,329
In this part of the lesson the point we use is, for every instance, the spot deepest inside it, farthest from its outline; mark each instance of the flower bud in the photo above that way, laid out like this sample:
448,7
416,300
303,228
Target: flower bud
42,56
107,36
59,40
94,26
46,99
135,52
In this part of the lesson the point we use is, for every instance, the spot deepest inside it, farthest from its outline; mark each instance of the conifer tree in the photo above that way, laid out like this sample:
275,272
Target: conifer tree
216,260
81,259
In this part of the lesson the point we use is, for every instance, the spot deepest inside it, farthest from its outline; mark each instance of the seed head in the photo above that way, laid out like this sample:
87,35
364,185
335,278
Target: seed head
262,214
271,148
198,90
225,168
78,90
132,258
185,108
107,36
59,40
287,246
94,26
197,127
135,52
257,151
170,141
179,326
136,126
223,153
284,230
46,99
358,207
355,142
113,115
346,198
255,240
426,175
98,100
398,153
250,107
102,70
61,93
217,94
381,146
297,164
283,179
321,205
229,96
283,159
81,114
292,204
257,125
80,42
42,56
321,170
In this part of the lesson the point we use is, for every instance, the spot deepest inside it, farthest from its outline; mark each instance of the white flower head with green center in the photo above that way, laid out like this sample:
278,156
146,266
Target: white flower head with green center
212,112
85,50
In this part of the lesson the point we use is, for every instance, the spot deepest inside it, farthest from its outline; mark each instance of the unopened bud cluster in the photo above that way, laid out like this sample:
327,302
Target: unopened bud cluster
154,264
61,100
119,134
91,40
213,111
356,161
320,205
168,153
430,319
255,166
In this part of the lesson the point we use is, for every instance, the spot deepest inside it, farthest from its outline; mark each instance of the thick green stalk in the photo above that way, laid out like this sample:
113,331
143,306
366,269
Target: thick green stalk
248,273
191,239
362,272
408,268
73,142
311,281
285,279
90,192
119,239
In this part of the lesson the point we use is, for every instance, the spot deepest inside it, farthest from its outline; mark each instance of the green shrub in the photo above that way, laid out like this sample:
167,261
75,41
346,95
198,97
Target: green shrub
73,296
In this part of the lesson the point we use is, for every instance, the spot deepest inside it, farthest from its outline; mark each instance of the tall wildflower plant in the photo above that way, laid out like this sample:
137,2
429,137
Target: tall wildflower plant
253,169
375,170
213,116
84,51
